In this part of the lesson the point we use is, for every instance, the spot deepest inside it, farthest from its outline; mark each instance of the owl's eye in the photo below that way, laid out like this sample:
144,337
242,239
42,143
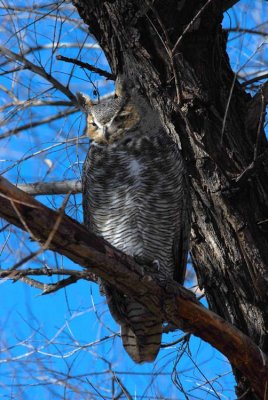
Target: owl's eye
120,117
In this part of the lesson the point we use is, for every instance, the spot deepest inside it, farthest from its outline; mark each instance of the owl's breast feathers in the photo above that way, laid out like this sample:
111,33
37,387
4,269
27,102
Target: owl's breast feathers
136,197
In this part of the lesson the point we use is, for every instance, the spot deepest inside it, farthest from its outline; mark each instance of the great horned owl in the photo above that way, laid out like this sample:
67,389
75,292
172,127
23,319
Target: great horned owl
135,195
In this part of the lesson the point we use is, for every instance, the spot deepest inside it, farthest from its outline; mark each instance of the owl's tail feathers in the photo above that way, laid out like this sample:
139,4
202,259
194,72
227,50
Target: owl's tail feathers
141,348
141,334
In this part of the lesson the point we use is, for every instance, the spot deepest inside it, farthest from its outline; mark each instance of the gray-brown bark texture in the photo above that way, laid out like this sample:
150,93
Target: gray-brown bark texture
184,70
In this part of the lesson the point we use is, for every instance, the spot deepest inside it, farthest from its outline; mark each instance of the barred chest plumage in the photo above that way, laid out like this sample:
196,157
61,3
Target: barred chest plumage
135,196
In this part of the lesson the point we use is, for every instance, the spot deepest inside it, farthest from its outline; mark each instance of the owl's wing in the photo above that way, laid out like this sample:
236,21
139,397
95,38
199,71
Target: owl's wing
182,237
86,192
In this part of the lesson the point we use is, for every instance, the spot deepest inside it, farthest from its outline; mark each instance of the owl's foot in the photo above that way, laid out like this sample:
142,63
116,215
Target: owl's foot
156,270
147,267
152,268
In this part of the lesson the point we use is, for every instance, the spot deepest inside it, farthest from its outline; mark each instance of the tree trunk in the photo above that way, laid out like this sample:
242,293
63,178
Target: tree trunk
183,68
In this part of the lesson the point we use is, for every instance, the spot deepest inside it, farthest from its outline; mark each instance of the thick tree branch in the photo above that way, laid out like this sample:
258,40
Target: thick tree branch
176,304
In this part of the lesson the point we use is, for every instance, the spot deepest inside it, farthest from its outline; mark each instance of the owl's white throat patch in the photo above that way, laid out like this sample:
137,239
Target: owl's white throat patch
134,168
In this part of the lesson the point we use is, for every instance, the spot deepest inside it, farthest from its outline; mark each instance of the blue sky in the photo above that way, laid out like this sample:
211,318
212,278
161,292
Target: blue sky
45,339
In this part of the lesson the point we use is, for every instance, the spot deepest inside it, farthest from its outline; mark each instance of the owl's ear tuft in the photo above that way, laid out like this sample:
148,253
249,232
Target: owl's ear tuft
84,102
119,88
122,85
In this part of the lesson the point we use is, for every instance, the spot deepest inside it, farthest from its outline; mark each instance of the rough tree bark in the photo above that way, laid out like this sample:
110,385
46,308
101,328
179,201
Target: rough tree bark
183,68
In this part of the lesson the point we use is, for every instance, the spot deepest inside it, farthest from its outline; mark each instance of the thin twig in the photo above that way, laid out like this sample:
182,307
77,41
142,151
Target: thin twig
227,107
123,388
48,46
251,169
22,221
34,124
260,126
264,221
53,146
11,275
8,92
167,46
181,339
190,25
53,231
23,104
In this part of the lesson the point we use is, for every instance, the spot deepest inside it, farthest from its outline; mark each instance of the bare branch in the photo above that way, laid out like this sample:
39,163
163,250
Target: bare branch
91,68
190,25
33,124
17,275
54,287
58,187
124,389
23,104
175,303
33,283
65,45
246,30
181,339
53,146
251,169
39,71
253,80
48,46
8,92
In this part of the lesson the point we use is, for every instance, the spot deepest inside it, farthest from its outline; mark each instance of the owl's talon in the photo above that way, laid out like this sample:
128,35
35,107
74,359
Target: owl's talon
156,264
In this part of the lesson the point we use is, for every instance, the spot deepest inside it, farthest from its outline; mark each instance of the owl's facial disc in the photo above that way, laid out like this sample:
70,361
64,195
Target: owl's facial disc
108,127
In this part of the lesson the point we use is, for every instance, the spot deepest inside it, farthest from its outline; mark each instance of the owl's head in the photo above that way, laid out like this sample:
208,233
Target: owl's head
109,120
